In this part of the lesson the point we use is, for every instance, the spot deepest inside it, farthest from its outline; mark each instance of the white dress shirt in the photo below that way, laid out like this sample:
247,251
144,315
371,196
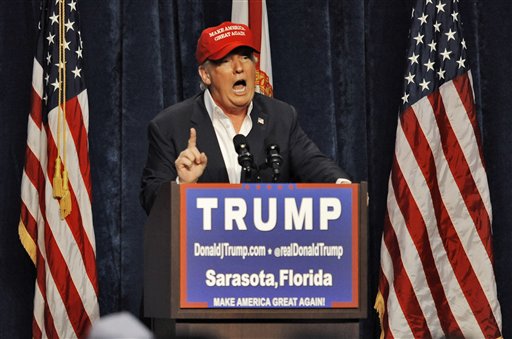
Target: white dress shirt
225,133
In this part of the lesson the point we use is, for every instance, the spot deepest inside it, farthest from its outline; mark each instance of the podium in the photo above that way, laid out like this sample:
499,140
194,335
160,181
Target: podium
281,303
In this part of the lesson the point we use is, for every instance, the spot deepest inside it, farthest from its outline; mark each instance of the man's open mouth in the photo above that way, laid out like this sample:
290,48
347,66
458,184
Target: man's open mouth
239,86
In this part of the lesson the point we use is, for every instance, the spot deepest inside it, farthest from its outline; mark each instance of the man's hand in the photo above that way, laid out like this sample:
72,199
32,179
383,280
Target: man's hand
191,163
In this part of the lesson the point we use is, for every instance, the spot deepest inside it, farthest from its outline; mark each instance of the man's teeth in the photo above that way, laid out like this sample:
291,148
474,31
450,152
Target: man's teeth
239,86
239,89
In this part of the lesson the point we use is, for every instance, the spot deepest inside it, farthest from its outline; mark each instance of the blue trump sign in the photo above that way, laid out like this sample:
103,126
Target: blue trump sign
269,246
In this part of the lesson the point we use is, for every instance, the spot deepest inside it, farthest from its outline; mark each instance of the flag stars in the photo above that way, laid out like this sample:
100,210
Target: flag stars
429,2
450,35
79,52
461,62
69,25
437,26
419,38
424,85
410,78
66,44
440,7
50,38
46,78
60,65
72,6
446,54
54,18
440,73
455,16
432,45
55,85
48,58
429,65
463,44
414,58
423,19
405,98
76,72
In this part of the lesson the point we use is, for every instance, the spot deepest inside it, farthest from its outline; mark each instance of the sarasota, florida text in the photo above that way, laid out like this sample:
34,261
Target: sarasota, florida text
286,277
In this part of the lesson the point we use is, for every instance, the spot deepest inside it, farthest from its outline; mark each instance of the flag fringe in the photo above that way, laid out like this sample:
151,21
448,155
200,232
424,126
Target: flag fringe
380,307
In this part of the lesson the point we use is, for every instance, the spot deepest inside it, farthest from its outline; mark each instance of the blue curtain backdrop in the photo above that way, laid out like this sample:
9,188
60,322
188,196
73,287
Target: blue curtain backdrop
340,63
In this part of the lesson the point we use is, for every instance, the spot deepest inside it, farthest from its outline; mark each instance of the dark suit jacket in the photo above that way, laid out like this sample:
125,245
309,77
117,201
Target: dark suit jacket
169,131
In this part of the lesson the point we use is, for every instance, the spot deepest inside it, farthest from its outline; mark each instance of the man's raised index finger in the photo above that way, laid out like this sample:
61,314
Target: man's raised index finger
193,138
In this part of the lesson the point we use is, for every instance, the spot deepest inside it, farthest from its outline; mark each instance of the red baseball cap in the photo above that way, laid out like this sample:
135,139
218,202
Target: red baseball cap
216,42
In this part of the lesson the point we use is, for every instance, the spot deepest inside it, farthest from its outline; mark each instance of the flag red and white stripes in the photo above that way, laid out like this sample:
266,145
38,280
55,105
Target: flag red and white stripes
56,229
253,13
437,276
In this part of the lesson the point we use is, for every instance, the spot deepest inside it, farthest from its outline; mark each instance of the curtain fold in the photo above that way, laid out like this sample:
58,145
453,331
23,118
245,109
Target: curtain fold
340,63
103,75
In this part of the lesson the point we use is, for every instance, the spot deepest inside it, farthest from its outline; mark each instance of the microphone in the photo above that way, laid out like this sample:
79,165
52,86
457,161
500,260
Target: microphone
245,158
274,159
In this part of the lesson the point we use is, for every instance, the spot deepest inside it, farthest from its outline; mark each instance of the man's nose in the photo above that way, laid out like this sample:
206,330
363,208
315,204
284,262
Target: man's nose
237,65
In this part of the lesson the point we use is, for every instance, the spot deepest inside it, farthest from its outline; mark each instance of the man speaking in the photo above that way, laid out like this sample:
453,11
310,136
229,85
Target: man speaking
229,133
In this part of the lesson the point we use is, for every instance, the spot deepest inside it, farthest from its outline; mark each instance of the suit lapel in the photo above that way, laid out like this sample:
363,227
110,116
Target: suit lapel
207,143
256,136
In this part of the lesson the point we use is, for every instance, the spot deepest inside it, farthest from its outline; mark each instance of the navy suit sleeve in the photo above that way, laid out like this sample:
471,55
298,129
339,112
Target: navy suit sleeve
159,167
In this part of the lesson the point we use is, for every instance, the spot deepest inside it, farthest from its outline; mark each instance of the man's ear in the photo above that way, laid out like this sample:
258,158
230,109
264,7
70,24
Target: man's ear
205,76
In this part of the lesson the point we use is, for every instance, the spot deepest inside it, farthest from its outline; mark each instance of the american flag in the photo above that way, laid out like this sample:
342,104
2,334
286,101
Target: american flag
437,277
56,225
253,13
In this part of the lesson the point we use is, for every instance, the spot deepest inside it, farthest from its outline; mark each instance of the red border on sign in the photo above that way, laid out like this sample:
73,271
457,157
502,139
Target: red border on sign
184,303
